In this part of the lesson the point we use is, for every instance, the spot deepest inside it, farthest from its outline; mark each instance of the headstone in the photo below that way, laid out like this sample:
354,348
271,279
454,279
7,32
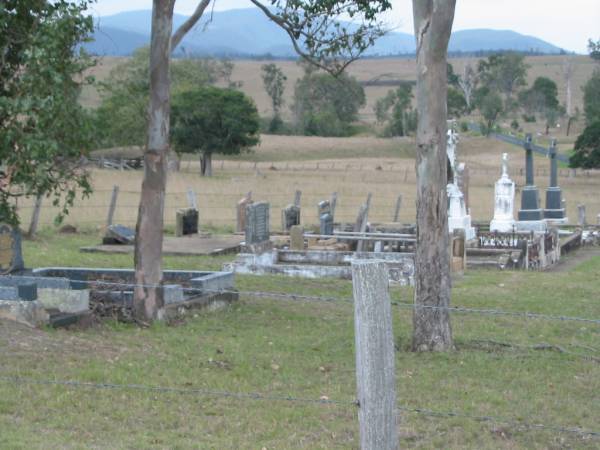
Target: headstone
581,219
11,254
257,223
241,212
297,237
186,222
119,235
458,217
27,292
297,198
530,215
554,207
504,201
290,216
325,218
462,173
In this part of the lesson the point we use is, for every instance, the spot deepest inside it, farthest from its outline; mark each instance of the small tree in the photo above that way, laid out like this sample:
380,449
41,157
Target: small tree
325,105
457,105
43,129
542,98
402,118
503,72
491,107
212,120
594,49
587,148
591,98
274,82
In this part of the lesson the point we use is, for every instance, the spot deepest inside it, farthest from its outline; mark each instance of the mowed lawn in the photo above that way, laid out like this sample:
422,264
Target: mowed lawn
524,371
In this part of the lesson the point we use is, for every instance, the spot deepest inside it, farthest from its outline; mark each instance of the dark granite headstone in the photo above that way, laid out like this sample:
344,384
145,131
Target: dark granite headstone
290,216
27,292
554,207
257,223
119,235
186,222
11,255
530,196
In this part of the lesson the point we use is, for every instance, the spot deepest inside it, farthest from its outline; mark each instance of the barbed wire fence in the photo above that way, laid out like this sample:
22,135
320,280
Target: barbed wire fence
520,424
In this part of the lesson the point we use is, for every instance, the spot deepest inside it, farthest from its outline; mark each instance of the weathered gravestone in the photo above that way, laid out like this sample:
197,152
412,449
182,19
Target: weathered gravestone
581,218
11,255
119,235
290,216
325,218
554,206
241,212
297,237
530,215
257,223
186,222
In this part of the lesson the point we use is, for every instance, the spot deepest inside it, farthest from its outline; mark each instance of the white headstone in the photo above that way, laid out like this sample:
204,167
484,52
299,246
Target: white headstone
504,201
458,218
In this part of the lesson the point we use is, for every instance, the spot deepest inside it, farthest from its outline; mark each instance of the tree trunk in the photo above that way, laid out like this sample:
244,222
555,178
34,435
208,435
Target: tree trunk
202,165
433,24
148,298
206,164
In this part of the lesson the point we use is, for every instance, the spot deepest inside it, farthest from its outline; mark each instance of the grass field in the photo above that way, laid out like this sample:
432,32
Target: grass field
305,349
353,167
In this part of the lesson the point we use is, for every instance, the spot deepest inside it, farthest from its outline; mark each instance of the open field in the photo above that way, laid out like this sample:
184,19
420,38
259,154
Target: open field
518,371
249,73
319,166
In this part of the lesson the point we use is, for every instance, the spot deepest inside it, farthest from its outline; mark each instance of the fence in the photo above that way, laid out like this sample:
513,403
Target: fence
376,402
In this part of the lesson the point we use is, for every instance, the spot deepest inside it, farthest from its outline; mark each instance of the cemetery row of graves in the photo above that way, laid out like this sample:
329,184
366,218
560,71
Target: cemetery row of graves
379,259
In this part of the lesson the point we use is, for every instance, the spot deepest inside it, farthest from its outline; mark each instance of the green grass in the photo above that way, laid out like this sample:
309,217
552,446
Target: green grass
305,349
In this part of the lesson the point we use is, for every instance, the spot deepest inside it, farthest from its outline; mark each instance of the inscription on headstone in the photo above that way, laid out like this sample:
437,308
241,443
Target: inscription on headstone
257,223
11,256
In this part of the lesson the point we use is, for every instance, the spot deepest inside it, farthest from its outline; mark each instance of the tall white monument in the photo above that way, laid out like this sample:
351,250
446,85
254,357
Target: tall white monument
458,218
504,201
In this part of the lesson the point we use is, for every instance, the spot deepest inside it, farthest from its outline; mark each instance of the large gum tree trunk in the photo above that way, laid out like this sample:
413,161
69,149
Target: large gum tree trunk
433,24
148,298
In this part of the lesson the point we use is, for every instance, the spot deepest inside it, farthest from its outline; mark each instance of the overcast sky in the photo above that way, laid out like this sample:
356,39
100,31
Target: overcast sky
565,23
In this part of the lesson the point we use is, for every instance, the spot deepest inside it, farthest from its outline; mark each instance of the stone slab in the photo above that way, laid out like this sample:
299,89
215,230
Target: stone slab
29,313
119,234
186,245
532,225
66,301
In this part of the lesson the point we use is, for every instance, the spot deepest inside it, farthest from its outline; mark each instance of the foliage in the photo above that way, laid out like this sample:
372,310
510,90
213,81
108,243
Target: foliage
594,49
453,78
213,120
491,107
591,98
457,105
274,82
43,130
121,119
503,72
587,148
543,95
318,36
395,110
325,105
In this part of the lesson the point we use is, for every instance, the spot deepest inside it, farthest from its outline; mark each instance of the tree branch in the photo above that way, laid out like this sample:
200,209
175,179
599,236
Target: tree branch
188,24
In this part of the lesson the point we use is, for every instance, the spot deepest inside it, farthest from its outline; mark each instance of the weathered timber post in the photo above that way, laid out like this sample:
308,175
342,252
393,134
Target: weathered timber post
397,210
375,371
112,206
35,217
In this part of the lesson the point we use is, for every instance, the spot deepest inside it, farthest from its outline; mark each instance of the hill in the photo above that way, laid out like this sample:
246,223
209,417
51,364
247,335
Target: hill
247,32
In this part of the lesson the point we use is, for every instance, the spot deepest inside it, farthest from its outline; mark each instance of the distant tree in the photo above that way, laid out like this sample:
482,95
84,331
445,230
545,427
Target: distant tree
43,129
451,76
542,98
211,120
122,118
503,72
457,105
274,83
594,49
591,98
587,148
467,83
491,108
325,105
395,110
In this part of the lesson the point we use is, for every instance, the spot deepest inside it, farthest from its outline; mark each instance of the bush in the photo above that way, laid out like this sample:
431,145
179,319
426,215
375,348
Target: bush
529,118
514,124
587,148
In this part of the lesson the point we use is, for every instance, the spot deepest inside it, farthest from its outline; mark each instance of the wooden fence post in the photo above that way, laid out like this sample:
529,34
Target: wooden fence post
112,206
35,217
375,371
398,206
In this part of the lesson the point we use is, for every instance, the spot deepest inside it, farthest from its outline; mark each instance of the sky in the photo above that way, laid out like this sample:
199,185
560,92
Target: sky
566,24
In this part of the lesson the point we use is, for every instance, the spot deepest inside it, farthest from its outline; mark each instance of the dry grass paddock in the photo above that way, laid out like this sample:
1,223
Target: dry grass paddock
249,74
351,167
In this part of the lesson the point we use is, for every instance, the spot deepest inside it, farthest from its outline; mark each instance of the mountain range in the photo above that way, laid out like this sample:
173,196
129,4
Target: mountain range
248,32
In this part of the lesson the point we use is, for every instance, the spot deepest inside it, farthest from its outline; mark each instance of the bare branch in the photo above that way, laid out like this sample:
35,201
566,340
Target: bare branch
188,24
